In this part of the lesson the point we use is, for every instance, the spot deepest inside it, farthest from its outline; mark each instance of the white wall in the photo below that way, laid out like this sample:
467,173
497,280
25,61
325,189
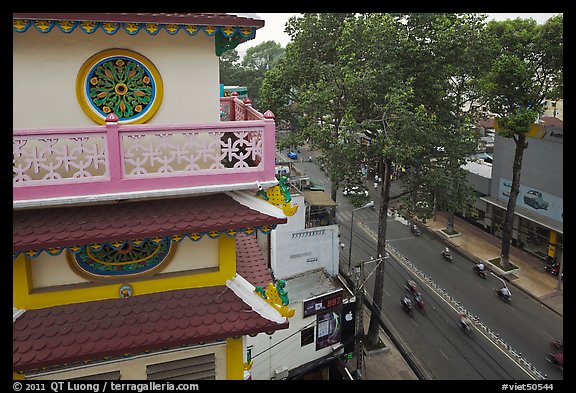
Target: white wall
296,250
282,348
45,67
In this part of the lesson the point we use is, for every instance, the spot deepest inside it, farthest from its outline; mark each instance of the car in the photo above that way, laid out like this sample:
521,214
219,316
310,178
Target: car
292,155
355,191
533,198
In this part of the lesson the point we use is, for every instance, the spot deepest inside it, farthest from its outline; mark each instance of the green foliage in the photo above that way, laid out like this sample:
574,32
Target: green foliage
250,72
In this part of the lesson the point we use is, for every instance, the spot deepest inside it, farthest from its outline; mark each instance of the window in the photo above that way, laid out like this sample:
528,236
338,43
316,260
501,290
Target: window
307,336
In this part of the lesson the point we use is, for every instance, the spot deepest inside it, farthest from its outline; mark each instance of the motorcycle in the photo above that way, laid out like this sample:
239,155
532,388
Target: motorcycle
507,298
407,307
420,303
557,345
415,230
447,256
479,272
411,287
556,359
466,328
553,269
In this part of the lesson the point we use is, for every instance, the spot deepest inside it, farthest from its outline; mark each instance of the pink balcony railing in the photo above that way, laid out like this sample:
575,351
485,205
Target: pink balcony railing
234,109
117,161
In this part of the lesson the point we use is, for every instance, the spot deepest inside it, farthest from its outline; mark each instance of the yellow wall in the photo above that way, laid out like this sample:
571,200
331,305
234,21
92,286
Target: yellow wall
24,297
234,358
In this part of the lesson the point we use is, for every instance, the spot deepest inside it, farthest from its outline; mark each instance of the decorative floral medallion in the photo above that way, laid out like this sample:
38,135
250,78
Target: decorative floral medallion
127,260
122,82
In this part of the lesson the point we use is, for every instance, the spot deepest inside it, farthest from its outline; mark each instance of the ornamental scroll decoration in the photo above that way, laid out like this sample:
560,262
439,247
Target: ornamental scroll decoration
132,259
277,297
280,197
122,82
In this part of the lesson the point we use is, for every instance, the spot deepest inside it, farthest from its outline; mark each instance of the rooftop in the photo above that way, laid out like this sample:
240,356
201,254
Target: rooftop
108,328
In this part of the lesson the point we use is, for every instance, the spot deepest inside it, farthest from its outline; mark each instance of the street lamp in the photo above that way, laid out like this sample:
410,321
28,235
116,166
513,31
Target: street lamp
369,204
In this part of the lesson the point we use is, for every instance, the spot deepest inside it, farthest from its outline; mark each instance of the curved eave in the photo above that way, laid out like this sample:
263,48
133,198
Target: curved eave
229,30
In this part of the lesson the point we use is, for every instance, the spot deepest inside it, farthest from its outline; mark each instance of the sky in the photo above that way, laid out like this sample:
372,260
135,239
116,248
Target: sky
274,23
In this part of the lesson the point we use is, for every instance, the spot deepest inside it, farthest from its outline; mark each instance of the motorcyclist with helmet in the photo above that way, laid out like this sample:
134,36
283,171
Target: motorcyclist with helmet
406,302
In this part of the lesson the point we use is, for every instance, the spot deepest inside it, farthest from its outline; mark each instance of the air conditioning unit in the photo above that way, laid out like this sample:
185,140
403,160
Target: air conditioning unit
281,373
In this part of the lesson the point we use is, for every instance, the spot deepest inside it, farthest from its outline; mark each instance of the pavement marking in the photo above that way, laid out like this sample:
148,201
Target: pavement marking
443,354
491,337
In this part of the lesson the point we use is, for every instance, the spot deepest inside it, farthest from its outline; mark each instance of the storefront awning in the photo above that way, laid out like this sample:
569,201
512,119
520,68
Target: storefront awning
317,198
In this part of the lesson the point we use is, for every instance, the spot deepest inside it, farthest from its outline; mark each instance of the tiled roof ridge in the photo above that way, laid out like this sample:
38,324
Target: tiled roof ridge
245,291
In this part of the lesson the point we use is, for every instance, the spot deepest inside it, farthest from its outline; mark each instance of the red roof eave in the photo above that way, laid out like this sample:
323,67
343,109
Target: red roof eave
57,227
109,328
204,19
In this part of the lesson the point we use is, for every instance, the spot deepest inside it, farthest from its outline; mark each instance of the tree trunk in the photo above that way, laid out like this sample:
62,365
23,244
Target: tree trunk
374,328
514,191
333,194
450,223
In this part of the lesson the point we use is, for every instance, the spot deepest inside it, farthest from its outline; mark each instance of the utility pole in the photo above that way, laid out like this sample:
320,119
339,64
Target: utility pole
359,328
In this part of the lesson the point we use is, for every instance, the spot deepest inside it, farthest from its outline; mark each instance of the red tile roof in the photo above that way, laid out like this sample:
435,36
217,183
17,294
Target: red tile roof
93,330
250,263
43,228
552,121
204,19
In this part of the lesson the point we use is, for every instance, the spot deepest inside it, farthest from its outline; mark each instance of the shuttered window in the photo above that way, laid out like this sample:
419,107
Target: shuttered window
190,369
109,376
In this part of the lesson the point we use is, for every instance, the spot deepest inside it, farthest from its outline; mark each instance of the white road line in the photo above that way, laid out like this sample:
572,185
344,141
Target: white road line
443,354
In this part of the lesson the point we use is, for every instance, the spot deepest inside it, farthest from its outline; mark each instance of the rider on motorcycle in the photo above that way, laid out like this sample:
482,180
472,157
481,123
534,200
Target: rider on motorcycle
411,285
504,291
406,302
480,266
464,321
446,252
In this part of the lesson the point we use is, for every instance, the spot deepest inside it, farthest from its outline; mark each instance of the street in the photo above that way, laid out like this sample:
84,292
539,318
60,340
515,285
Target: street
512,339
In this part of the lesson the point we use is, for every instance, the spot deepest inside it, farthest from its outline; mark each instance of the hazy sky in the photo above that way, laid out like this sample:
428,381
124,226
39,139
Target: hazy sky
273,29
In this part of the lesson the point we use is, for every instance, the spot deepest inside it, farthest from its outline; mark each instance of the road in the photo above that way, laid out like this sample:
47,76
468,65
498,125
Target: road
509,339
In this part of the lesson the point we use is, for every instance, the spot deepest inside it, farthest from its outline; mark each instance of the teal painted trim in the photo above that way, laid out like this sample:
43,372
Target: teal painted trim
21,25
238,34
117,245
127,27
41,26
110,28
89,27
67,27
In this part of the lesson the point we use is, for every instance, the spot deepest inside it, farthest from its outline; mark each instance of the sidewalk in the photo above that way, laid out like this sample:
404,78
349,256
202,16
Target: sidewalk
478,244
474,243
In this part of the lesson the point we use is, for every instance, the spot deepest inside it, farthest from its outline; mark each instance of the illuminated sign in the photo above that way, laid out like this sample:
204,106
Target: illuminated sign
323,303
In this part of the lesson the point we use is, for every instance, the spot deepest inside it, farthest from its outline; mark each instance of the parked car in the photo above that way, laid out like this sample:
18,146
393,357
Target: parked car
534,199
292,155
356,191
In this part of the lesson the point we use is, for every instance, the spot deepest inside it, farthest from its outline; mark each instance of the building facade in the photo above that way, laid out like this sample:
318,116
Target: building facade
538,221
139,226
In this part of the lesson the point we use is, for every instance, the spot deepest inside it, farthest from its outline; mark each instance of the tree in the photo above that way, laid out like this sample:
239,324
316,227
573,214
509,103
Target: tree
262,56
309,88
527,69
403,70
250,72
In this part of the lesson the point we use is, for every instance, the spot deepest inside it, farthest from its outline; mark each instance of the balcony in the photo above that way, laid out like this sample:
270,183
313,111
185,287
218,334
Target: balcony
56,166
